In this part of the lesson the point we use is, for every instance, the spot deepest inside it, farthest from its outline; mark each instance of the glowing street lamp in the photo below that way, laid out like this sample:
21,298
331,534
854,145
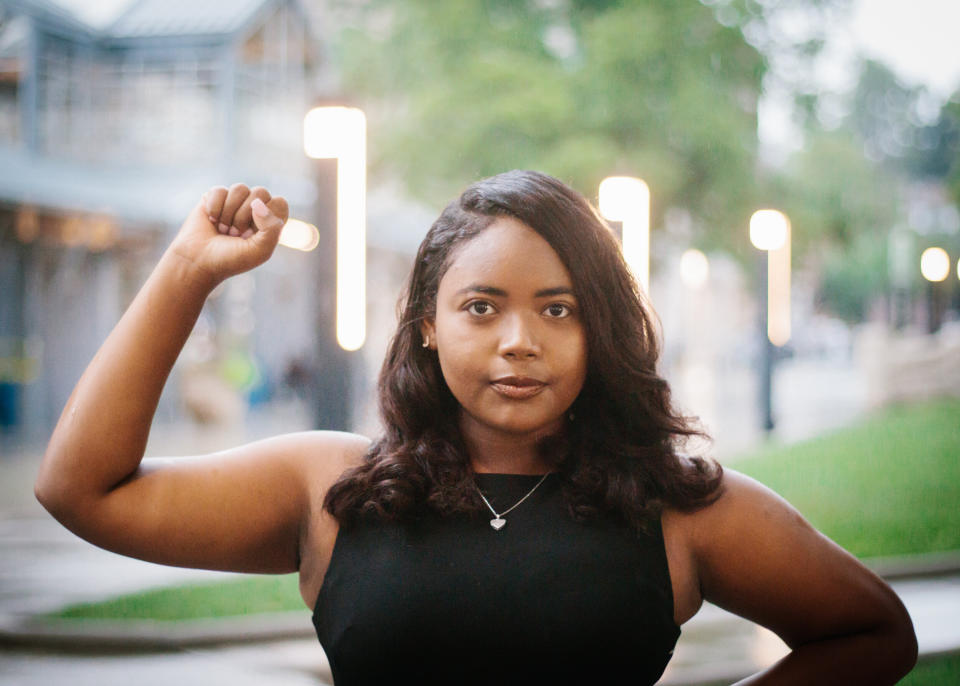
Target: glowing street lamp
935,268
341,133
935,264
770,233
299,235
627,199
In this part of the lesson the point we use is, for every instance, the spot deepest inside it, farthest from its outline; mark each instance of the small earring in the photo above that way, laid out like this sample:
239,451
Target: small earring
426,342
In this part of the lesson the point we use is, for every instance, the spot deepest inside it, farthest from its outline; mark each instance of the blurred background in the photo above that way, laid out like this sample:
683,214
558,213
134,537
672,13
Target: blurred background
842,115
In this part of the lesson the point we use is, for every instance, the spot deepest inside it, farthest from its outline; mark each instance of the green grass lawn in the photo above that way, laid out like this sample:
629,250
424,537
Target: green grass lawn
888,486
247,595
938,671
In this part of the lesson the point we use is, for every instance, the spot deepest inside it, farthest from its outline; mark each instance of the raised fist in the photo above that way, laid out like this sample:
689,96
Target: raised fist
231,230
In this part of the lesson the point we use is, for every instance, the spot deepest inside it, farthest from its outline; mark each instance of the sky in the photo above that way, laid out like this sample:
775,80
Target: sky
916,38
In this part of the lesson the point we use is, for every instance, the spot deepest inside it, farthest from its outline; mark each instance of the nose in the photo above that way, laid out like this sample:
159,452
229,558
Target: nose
518,339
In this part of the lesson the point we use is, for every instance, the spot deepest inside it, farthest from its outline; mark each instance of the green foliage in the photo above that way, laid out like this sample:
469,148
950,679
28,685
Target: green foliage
947,144
937,671
656,89
248,595
889,486
836,195
852,278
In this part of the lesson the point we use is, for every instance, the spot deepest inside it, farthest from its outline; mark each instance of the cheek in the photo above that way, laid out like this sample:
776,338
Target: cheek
574,353
460,369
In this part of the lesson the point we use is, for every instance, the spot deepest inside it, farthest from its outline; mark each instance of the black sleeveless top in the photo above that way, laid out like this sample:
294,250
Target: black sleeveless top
545,600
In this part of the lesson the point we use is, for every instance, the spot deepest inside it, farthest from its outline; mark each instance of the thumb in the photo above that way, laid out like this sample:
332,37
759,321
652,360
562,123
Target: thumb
269,219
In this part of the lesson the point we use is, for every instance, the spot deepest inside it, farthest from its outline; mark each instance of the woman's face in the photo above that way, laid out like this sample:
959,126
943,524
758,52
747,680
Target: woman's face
508,332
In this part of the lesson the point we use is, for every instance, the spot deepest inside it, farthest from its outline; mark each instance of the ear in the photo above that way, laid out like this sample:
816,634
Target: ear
428,332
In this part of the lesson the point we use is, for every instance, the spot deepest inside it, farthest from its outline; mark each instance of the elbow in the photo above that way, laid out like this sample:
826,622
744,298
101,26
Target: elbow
53,493
48,495
902,649
909,650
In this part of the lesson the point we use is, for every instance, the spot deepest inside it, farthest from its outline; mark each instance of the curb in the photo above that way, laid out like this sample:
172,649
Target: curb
112,636
915,566
109,636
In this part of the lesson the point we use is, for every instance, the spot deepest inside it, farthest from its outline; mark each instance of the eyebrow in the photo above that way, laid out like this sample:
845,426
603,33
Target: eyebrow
499,292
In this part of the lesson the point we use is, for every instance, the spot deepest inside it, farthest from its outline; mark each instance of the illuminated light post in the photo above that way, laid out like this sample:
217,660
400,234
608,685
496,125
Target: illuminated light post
935,268
341,133
770,233
299,235
627,200
935,265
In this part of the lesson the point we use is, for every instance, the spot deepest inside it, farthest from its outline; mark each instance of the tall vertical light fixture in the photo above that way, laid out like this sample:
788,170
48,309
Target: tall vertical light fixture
341,133
770,233
627,199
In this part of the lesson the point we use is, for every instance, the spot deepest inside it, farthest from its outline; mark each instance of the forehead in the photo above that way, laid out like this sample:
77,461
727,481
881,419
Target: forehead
507,254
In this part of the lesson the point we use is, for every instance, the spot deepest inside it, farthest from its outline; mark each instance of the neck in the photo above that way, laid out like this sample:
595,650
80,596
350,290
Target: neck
493,452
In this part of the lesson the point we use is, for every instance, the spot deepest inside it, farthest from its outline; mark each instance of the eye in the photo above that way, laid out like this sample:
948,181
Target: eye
479,308
558,310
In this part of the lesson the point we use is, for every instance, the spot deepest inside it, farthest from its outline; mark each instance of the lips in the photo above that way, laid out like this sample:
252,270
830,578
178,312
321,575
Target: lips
518,387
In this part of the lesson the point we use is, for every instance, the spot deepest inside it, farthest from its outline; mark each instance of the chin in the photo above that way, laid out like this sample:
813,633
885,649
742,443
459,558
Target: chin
526,426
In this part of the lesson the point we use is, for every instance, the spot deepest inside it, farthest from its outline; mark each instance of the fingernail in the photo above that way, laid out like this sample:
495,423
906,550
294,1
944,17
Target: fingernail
259,208
213,220
234,231
206,203
223,228
247,233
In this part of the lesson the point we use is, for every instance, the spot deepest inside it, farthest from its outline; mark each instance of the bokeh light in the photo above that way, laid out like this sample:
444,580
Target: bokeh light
935,264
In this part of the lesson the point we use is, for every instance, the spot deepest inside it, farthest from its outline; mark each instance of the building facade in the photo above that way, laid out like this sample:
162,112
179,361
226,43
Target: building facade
108,135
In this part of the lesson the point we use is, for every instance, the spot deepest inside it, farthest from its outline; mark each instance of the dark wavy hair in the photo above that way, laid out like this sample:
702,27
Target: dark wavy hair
619,453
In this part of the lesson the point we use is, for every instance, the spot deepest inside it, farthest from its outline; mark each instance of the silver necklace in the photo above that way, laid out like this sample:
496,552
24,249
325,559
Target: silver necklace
498,522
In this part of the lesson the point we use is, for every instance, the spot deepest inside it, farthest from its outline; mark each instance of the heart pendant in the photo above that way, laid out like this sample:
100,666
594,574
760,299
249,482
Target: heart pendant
498,523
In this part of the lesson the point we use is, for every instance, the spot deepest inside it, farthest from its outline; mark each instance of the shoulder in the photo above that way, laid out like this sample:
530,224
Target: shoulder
325,455
706,545
744,508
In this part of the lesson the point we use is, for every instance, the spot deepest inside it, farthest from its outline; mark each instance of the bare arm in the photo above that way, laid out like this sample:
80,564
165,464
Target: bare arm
757,557
241,509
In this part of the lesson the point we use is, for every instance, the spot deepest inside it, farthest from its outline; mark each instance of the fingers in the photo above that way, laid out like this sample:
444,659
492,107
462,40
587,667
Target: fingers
235,198
269,218
213,201
278,206
232,210
243,218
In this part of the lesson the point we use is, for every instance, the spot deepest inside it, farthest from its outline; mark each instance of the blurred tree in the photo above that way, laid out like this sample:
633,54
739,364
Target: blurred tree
853,278
936,151
580,89
846,185
834,194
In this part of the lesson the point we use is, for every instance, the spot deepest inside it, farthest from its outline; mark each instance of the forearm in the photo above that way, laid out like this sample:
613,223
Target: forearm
102,433
881,656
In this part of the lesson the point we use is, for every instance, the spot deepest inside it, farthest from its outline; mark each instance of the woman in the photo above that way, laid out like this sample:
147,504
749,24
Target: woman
525,518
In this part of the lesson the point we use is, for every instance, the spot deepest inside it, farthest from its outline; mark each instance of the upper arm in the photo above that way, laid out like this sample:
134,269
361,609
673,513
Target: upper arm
241,509
759,558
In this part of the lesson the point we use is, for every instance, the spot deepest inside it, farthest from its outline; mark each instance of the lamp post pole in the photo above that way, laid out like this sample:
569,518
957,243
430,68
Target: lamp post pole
770,234
935,268
335,138
766,347
627,199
